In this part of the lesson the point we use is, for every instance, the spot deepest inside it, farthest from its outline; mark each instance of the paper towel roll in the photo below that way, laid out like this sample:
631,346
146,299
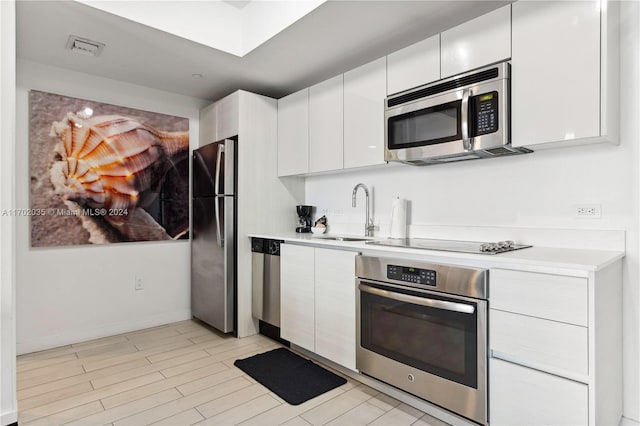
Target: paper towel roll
398,218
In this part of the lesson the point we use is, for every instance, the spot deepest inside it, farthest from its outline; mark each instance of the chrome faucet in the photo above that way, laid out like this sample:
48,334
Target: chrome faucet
368,221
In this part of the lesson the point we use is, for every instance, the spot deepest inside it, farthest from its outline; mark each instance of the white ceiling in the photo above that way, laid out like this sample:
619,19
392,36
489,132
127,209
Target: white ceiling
335,37
229,26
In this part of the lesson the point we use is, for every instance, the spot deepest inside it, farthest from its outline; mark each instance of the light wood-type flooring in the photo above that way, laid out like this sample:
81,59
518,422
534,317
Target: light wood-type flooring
181,374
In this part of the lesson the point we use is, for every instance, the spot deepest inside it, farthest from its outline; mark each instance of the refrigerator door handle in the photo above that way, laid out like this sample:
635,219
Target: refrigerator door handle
216,188
229,167
219,236
230,258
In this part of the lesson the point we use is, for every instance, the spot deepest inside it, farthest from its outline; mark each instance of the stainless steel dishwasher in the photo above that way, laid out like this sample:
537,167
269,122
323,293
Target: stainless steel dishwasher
265,277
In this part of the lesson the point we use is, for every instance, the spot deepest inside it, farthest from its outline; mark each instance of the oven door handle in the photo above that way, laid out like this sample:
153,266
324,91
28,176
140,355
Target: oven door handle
432,303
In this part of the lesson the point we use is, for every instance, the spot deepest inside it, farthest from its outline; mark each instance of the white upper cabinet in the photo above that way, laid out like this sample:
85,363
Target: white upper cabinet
414,65
293,133
227,115
559,66
481,41
207,124
365,89
219,121
326,125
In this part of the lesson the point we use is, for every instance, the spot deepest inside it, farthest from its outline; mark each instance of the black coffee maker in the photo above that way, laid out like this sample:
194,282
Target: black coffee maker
304,218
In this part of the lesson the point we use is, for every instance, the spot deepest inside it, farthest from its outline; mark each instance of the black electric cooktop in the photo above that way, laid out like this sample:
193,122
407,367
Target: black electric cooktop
452,245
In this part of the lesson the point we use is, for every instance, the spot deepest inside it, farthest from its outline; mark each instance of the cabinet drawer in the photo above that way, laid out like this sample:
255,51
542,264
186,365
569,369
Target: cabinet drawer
538,342
553,297
523,396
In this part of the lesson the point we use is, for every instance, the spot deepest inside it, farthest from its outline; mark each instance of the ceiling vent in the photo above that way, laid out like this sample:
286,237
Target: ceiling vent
84,46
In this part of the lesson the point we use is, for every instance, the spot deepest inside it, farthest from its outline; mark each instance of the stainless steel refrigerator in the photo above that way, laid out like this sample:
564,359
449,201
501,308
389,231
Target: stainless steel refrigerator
213,246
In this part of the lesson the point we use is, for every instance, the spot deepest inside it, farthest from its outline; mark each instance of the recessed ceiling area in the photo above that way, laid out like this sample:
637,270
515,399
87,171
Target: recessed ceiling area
230,26
237,3
331,39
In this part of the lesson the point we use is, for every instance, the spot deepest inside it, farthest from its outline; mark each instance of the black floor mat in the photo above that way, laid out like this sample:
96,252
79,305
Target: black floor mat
289,376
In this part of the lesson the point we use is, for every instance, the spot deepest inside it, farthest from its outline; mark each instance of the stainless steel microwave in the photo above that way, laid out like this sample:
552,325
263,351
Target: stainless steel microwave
459,118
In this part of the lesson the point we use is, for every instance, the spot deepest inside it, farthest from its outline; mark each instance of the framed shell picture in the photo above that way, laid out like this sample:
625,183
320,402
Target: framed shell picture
103,173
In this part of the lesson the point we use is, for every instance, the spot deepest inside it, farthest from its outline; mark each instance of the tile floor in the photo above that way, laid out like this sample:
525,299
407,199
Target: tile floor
181,374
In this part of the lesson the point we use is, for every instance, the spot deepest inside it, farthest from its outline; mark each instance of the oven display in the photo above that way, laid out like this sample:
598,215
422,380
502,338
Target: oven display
411,275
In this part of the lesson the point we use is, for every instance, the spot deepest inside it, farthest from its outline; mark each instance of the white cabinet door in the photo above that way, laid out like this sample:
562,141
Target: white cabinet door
479,42
326,125
293,133
365,89
207,124
555,71
227,116
522,396
414,65
219,121
297,282
336,306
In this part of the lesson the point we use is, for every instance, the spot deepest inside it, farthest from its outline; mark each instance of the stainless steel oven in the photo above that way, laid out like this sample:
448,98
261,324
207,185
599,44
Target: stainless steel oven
422,327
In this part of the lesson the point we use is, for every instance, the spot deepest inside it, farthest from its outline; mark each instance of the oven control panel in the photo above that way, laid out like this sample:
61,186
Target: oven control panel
411,275
484,109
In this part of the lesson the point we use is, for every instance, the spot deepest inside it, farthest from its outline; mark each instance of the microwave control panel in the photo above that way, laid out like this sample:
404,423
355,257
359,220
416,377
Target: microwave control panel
411,275
485,110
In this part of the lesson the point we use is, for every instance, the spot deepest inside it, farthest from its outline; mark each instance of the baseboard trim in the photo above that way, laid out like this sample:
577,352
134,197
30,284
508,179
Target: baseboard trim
76,336
9,419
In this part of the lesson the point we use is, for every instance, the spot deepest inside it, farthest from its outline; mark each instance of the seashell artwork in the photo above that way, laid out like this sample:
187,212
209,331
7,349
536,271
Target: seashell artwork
117,176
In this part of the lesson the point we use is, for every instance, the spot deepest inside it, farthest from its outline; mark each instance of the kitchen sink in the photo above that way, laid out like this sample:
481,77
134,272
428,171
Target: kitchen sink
344,238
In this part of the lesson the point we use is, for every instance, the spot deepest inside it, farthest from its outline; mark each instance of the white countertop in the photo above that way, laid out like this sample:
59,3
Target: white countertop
570,261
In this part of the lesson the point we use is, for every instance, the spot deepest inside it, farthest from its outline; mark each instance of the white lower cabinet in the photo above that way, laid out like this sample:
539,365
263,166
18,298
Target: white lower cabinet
524,396
556,346
297,295
336,306
318,301
555,349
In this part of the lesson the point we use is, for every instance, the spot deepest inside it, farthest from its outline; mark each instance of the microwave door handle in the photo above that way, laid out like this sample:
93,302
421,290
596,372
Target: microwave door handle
466,142
423,301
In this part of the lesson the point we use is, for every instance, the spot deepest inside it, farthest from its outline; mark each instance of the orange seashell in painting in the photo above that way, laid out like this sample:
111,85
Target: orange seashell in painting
111,161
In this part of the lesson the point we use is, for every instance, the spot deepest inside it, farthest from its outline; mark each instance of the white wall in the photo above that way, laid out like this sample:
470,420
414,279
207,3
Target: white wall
8,403
539,190
70,294
630,134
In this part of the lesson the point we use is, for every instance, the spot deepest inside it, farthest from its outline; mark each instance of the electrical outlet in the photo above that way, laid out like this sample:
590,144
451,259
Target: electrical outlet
592,211
138,284
337,213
